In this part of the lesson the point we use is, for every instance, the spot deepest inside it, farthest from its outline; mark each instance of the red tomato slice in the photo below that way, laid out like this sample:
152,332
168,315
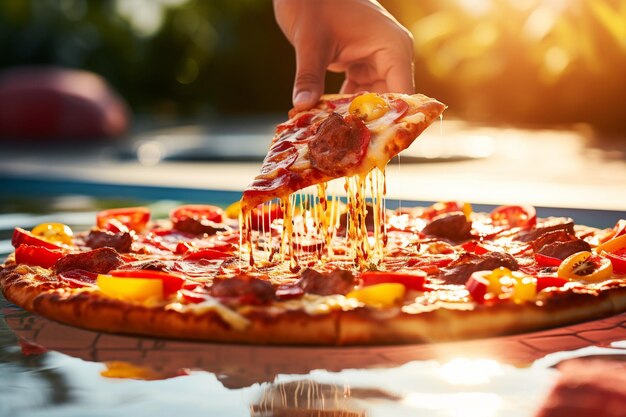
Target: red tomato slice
619,262
123,219
206,253
171,283
78,278
197,212
547,282
24,237
543,260
411,281
37,256
514,216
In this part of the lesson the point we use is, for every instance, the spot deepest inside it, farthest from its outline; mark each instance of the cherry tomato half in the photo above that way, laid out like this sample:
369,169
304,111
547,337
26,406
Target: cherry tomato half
514,216
54,232
584,266
123,219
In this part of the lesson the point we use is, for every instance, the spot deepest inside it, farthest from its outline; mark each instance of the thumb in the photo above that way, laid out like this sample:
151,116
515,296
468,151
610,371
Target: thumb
310,72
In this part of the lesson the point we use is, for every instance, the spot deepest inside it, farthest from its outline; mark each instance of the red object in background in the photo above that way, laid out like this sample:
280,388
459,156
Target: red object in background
48,102
587,387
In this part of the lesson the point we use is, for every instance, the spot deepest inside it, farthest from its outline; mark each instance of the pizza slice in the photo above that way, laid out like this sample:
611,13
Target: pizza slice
343,136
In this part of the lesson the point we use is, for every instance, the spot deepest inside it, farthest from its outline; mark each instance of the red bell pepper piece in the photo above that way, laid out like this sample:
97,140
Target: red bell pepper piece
411,281
37,256
618,260
477,285
171,283
206,253
546,282
24,237
543,260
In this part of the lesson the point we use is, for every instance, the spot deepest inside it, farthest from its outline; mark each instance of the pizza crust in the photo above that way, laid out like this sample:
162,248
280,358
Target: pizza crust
361,326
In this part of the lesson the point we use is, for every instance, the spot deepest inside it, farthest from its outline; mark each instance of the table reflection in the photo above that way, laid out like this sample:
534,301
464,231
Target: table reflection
52,369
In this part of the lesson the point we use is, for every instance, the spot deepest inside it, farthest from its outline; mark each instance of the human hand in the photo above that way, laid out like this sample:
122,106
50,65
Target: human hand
357,37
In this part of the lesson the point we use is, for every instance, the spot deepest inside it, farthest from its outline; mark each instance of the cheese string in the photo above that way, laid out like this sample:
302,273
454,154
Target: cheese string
310,224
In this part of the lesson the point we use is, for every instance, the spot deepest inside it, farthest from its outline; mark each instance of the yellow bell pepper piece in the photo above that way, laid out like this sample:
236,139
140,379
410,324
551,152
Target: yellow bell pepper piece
497,278
54,233
133,289
125,370
232,211
612,245
379,295
467,210
368,107
515,285
524,289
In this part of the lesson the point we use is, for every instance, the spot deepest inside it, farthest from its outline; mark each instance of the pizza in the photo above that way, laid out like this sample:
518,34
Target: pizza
343,136
331,265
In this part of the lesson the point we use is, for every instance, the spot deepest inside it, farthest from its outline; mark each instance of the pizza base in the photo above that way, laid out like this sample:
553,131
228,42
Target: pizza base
361,326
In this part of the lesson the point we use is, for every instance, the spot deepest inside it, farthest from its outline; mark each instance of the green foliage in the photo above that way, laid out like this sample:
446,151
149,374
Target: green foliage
199,56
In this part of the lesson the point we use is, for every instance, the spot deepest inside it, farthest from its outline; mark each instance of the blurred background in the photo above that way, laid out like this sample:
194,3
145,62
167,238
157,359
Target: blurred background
536,93
498,61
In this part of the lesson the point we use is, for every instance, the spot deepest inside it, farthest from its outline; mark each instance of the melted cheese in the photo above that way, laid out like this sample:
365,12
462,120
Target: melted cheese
234,319
320,304
310,222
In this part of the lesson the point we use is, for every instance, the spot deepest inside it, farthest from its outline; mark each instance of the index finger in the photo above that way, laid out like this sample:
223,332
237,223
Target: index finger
400,78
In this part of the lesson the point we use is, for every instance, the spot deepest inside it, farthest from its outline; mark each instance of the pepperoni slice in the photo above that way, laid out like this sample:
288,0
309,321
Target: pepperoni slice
339,145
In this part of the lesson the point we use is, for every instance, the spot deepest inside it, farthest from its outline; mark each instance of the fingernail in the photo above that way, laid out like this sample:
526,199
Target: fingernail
302,97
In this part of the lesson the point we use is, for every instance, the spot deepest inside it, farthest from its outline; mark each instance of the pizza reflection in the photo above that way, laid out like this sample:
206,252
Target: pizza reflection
309,398
238,366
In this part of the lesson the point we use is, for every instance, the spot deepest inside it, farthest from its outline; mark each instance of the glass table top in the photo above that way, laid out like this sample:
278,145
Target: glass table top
50,369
